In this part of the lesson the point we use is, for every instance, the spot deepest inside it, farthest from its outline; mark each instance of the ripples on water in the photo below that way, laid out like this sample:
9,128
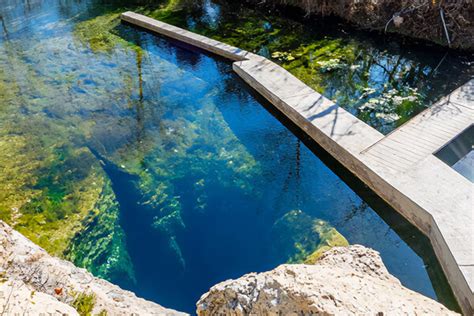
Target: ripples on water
153,166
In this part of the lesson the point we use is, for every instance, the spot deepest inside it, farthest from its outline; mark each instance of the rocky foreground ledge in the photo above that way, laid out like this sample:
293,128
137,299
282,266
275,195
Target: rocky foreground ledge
34,283
344,281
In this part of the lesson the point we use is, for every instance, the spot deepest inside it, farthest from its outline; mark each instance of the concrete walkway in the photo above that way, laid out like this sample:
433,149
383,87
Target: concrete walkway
400,167
443,199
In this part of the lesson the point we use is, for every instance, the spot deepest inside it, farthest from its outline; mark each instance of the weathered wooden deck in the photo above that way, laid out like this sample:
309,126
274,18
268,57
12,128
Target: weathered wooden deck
400,167
427,132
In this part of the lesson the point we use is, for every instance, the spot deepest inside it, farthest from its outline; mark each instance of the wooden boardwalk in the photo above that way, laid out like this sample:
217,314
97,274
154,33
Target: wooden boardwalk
427,132
400,167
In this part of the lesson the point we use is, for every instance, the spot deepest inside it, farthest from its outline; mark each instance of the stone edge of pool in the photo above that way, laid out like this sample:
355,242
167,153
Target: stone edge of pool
400,167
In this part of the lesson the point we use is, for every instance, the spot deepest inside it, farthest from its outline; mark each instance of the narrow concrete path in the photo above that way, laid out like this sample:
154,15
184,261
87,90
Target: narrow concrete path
444,199
400,167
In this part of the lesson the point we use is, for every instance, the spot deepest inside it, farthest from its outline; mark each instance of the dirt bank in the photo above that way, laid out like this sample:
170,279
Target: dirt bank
420,19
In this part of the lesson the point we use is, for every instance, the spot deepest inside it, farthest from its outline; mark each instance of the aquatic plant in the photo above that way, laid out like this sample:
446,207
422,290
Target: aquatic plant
394,105
305,238
329,237
331,64
52,186
282,56
45,201
98,32
178,147
192,152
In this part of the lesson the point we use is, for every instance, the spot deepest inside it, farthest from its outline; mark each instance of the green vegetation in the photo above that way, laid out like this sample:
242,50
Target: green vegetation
51,186
98,33
182,148
99,247
65,193
163,156
54,190
307,238
329,237
84,303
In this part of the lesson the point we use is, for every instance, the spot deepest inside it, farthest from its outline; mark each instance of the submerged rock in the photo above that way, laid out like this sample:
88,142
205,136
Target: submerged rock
304,237
101,246
34,283
344,281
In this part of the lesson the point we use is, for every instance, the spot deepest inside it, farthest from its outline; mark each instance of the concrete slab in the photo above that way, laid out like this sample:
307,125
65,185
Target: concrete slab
185,36
399,167
282,87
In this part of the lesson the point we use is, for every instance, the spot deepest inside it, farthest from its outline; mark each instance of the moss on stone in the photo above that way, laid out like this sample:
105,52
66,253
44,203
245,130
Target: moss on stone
304,237
97,32
101,246
66,191
329,237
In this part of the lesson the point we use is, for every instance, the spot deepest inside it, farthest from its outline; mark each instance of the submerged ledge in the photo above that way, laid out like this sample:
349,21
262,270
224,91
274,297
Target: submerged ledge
399,167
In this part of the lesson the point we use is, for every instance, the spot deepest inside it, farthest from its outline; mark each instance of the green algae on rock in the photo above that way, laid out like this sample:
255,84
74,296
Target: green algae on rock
60,209
182,148
308,237
50,184
64,196
100,245
329,237
97,32
161,155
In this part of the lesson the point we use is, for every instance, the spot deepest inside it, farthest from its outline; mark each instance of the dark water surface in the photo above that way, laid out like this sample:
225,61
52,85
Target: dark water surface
191,177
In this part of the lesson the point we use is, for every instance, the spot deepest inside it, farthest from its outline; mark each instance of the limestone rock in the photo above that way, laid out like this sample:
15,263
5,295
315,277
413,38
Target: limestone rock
34,283
344,281
17,299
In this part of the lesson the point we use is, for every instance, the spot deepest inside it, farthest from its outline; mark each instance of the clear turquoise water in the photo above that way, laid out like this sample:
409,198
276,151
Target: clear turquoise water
209,183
